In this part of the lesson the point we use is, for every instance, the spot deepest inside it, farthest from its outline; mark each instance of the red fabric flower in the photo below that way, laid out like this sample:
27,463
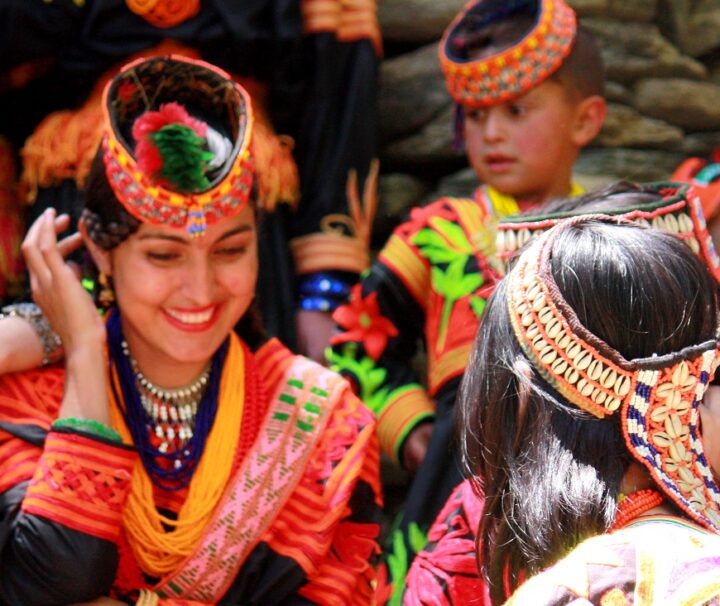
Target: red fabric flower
363,322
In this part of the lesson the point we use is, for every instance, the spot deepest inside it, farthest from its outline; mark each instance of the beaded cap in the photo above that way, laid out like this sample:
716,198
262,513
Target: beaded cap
679,212
657,397
210,96
518,67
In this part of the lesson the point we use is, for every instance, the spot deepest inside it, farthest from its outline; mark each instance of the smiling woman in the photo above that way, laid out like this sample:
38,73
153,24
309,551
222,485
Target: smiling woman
171,460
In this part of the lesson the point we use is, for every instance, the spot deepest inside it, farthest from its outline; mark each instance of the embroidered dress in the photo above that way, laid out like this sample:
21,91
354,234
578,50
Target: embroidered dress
445,572
297,521
652,561
429,284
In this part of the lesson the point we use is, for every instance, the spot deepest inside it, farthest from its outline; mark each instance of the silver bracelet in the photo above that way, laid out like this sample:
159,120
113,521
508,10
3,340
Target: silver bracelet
51,343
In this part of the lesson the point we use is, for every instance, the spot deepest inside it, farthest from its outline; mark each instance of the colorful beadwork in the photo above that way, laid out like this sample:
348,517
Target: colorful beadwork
514,70
678,213
162,79
657,397
634,505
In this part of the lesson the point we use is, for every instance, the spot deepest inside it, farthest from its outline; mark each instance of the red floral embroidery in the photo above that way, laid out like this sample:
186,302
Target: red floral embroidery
362,320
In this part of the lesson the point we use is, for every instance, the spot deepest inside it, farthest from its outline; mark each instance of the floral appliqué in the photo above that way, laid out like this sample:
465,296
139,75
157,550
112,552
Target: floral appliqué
363,322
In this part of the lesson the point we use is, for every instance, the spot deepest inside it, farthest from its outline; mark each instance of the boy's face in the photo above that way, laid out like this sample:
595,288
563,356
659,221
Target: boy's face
526,147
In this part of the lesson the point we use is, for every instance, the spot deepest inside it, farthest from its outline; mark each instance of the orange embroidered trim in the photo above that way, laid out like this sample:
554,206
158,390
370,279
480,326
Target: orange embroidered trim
349,20
81,483
407,264
399,415
447,365
164,13
515,70
323,251
273,360
18,461
31,397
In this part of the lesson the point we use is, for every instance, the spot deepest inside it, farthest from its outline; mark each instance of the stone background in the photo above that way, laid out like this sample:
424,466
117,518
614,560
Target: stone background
663,87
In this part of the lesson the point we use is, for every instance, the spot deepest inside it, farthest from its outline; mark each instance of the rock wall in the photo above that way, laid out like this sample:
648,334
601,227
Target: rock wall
663,87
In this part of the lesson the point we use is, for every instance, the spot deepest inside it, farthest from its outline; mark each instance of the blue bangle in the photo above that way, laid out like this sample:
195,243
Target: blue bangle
319,304
324,284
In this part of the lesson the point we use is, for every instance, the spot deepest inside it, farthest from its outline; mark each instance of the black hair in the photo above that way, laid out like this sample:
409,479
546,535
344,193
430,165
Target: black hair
551,472
582,73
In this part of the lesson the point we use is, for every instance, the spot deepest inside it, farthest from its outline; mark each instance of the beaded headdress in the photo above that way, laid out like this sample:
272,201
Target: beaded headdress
679,212
176,145
657,398
518,65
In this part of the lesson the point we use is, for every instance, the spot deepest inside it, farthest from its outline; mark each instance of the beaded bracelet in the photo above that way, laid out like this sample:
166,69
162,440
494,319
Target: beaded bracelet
50,340
323,291
88,426
318,304
325,285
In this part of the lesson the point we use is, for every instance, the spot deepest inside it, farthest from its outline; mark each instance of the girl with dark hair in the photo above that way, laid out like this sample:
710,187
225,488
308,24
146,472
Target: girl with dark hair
446,571
172,460
585,421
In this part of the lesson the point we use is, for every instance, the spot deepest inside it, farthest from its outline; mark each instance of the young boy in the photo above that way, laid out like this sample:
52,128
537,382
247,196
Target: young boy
528,88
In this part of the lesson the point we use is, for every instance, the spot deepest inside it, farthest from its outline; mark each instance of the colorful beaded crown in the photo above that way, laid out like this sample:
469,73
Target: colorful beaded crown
215,113
679,212
519,66
657,397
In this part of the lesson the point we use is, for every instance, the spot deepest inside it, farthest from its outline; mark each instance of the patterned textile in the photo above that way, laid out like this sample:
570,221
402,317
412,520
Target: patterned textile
445,572
429,284
650,562
300,516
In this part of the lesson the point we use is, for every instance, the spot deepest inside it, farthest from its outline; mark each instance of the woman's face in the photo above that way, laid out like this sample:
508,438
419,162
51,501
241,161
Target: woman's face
180,296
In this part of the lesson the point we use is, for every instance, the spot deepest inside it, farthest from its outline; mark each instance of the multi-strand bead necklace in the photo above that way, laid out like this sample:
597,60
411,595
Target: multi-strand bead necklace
172,412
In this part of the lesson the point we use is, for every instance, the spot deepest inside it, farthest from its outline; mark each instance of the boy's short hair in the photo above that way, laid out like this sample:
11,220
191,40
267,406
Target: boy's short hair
583,71
496,51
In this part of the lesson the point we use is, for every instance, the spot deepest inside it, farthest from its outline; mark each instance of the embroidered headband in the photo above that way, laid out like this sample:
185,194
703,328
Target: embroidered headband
521,63
657,397
679,212
176,145
704,176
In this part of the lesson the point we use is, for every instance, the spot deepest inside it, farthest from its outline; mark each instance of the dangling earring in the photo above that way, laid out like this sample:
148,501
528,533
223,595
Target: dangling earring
106,296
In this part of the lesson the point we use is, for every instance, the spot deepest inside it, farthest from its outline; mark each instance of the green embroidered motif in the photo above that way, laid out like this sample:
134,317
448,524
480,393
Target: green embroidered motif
445,243
478,305
369,376
398,561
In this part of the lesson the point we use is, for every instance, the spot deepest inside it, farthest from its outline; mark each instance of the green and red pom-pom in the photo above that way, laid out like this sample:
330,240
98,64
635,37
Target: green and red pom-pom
171,148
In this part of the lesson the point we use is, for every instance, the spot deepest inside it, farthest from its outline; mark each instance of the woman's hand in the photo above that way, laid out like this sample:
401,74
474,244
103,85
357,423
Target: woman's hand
56,288
20,346
55,285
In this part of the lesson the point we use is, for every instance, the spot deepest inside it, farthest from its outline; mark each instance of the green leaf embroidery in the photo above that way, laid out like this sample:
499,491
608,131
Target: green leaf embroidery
447,244
478,305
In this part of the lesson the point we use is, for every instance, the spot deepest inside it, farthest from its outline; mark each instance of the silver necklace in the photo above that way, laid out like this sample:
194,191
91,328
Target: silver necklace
171,411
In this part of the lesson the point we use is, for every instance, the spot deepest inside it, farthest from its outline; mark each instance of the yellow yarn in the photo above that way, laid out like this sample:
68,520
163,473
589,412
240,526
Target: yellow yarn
159,551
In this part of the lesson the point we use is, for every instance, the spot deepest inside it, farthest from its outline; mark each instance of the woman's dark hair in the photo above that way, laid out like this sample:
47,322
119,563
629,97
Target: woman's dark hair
550,472
109,224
